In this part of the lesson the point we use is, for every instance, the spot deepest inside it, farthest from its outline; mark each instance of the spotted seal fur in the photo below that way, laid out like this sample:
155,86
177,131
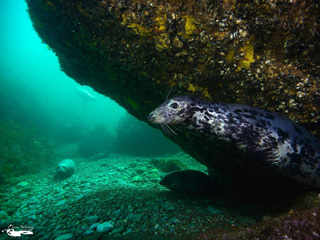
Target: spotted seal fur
267,137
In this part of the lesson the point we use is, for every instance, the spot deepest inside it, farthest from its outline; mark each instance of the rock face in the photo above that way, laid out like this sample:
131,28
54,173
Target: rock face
262,53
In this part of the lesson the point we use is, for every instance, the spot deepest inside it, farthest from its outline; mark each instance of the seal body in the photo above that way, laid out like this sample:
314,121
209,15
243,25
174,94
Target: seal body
271,140
65,169
190,182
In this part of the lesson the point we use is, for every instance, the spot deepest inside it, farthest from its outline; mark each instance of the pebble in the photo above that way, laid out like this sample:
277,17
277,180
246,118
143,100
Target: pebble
3,214
124,202
92,219
214,210
137,178
94,226
118,230
79,197
134,217
105,227
139,170
60,203
23,195
22,184
88,232
116,212
66,236
45,237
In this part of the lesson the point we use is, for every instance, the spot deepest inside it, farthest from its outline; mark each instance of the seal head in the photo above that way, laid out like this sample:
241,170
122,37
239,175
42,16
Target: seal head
173,111
65,169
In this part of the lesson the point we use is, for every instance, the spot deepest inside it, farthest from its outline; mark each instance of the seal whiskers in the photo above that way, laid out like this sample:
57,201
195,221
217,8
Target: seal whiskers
166,128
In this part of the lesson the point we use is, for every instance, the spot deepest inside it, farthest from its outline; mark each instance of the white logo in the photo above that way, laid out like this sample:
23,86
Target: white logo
17,233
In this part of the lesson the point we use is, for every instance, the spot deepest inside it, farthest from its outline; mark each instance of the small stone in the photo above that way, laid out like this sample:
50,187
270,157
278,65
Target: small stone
88,232
94,226
139,170
3,214
247,221
214,210
23,184
60,203
154,176
137,179
79,197
173,220
23,195
90,210
134,217
171,208
45,237
118,230
168,207
92,219
154,170
66,236
105,227
85,226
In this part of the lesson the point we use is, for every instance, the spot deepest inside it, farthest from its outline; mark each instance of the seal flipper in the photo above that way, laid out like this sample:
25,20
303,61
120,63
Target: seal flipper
190,182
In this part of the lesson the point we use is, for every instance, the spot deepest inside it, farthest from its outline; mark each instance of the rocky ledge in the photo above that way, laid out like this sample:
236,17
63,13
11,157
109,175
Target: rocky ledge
263,53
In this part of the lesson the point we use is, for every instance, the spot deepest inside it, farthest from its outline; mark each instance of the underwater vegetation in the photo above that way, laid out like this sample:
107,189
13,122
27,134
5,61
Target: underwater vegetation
22,151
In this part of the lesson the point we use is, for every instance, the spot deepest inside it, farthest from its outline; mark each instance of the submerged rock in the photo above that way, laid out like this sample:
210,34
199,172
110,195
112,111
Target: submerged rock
263,53
105,227
66,236
92,219
22,184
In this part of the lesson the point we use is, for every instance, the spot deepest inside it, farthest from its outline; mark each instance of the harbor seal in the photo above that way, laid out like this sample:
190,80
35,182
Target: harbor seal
271,141
65,169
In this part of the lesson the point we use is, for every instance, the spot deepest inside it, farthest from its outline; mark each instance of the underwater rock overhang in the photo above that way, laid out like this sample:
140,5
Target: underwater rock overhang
262,53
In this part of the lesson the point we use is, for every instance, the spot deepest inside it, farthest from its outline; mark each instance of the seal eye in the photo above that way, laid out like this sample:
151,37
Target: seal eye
174,105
